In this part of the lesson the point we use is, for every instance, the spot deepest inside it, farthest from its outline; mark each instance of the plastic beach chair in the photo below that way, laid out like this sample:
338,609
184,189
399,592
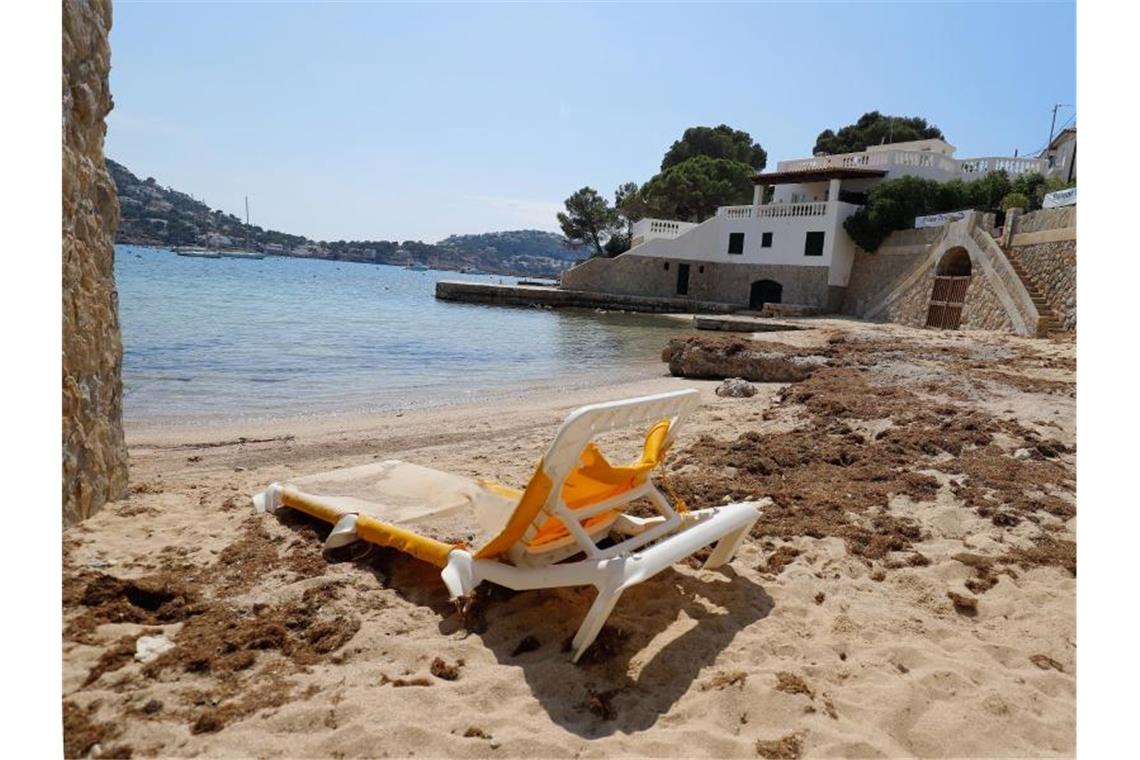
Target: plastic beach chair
566,528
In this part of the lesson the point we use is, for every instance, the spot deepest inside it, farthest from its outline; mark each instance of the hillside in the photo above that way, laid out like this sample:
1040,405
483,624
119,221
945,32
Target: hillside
516,243
153,215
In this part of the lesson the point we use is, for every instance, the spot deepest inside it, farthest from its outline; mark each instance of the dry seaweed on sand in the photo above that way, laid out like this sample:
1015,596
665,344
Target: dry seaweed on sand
788,747
441,669
790,683
723,680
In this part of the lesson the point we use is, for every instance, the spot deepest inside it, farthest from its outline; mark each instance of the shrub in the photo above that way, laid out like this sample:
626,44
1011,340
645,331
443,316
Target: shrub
893,204
1014,200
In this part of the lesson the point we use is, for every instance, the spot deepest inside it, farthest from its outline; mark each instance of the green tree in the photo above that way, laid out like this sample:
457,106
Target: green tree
589,220
627,202
986,193
716,142
874,128
1014,200
693,189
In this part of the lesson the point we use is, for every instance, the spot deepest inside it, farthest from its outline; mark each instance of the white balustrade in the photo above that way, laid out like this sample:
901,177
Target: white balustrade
967,168
647,229
779,210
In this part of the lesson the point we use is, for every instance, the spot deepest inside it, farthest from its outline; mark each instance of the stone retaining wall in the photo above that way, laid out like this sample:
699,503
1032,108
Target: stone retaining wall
872,272
1046,219
94,453
630,274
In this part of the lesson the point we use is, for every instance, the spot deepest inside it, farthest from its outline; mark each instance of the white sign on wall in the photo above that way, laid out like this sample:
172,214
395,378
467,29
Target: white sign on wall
937,220
1067,197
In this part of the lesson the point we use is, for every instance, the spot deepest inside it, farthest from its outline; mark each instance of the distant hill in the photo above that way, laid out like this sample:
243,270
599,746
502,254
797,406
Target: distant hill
153,215
516,243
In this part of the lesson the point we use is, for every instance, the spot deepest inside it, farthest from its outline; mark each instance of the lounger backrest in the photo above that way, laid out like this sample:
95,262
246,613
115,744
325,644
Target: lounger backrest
544,492
585,424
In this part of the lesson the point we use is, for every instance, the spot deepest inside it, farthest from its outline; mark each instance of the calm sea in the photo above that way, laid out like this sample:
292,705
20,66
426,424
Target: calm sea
229,338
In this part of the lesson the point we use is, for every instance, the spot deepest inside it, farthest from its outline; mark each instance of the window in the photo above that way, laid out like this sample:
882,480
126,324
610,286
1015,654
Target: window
736,242
813,244
666,266
766,240
701,269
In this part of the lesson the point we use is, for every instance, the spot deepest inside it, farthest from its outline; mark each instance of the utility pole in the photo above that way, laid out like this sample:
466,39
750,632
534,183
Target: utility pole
1053,125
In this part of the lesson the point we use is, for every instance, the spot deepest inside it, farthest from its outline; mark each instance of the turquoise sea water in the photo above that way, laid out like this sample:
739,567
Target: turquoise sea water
232,338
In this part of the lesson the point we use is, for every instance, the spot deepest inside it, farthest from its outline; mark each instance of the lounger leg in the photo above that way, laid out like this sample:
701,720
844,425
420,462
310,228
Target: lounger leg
599,612
727,547
343,533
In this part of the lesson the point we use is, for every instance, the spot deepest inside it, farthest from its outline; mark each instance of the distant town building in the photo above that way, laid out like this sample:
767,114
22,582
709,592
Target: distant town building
1061,155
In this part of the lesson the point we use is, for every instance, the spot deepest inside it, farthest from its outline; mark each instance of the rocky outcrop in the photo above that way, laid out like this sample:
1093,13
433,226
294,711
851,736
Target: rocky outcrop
94,453
716,358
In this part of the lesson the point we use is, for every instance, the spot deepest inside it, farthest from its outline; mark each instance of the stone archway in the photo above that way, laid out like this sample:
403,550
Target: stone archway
764,291
952,277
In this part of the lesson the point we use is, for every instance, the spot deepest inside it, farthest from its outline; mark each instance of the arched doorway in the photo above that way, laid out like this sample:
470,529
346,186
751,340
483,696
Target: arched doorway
951,279
765,291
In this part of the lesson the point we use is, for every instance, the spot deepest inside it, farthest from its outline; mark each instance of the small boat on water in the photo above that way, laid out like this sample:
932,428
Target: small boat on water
417,267
201,253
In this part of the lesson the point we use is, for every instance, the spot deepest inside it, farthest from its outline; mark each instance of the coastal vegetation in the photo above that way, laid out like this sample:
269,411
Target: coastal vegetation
894,203
153,215
589,220
706,168
874,128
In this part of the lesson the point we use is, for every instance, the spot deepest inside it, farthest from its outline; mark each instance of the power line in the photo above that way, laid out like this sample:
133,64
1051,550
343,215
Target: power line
1059,129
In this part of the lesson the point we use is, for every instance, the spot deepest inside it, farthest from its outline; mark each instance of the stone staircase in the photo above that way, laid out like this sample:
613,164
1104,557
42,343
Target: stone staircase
1048,323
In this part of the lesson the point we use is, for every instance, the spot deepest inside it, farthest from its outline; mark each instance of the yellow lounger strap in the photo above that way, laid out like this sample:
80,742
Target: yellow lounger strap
421,547
372,530
302,502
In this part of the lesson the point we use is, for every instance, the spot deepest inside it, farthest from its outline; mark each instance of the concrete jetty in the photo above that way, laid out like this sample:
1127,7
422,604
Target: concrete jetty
555,297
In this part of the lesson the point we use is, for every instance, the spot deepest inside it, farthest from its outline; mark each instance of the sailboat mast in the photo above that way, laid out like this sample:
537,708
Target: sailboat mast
247,210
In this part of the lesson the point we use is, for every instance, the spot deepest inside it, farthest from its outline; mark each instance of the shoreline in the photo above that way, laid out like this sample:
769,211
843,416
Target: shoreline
146,429
533,403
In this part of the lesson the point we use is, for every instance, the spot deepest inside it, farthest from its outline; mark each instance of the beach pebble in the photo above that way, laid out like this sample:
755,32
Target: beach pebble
148,648
735,387
1022,454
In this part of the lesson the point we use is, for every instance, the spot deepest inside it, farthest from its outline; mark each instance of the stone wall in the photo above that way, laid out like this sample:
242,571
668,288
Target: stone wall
1052,268
872,272
634,275
982,309
94,453
1046,219
898,286
911,306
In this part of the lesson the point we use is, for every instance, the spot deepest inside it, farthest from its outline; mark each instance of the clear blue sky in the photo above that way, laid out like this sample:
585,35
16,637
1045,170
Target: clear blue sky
380,121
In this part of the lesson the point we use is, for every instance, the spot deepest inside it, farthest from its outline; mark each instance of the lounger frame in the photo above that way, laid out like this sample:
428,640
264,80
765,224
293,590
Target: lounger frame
641,548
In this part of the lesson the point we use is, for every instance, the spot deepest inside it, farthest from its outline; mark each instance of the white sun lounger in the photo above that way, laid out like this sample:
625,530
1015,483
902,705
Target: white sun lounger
567,528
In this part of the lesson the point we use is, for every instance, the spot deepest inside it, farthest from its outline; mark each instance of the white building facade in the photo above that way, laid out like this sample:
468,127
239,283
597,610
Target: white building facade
788,246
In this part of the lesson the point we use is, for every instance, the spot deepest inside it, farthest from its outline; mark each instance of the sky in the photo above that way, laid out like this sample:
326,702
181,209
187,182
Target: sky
369,121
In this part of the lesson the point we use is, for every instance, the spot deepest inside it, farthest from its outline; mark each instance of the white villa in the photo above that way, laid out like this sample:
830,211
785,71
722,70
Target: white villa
788,246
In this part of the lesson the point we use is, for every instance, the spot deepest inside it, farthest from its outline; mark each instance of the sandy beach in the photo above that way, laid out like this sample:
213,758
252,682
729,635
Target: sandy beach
911,591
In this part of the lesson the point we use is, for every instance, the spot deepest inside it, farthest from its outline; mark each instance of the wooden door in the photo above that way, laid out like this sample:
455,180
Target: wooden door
946,302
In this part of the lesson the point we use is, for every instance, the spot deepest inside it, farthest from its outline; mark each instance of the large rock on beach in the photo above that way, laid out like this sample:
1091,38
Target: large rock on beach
717,358
736,387
94,452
